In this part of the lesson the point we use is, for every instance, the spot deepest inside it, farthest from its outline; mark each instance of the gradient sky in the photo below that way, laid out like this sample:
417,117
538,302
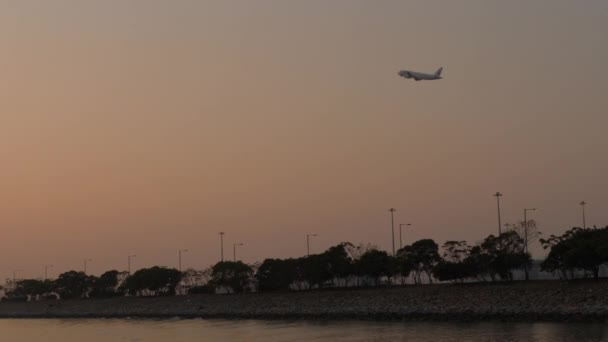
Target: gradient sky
143,127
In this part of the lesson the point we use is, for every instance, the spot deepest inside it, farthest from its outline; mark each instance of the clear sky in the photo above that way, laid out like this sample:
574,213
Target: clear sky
143,127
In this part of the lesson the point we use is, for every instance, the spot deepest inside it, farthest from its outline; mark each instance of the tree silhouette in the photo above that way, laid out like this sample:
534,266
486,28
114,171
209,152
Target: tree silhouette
231,275
423,255
500,256
276,274
578,248
376,264
455,265
108,284
154,281
73,284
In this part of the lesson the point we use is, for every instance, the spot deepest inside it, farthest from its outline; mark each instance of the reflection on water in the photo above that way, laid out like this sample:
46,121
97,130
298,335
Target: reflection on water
95,330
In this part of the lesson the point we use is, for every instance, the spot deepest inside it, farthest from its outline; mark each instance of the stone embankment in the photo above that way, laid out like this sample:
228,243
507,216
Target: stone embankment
520,301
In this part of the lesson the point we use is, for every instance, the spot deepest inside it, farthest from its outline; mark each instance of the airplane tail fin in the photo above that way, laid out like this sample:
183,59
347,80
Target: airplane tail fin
438,72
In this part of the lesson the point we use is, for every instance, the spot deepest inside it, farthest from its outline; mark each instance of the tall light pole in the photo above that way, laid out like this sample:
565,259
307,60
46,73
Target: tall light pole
234,250
526,228
86,260
400,233
308,243
392,210
15,278
129,263
526,238
222,245
180,258
46,271
583,204
498,195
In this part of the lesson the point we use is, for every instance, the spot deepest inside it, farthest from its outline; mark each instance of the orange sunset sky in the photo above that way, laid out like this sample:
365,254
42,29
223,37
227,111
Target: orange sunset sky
144,127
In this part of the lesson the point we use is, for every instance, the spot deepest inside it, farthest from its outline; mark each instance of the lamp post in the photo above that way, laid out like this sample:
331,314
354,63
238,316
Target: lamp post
583,204
15,278
46,271
392,211
308,243
129,263
234,250
498,195
222,245
86,260
526,238
180,258
526,228
400,233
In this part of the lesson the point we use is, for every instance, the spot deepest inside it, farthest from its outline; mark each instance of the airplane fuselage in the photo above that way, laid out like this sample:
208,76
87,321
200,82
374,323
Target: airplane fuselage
419,76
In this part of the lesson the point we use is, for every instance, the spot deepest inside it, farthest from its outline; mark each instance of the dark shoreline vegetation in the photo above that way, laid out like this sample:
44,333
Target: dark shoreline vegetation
421,282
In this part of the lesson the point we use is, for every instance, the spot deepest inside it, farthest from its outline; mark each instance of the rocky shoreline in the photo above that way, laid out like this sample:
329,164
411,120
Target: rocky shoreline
519,301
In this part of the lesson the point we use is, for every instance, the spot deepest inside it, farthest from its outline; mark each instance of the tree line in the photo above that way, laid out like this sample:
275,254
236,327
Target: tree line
576,253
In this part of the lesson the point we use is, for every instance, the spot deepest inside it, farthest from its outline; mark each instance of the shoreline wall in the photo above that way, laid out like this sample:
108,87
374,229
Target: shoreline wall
518,301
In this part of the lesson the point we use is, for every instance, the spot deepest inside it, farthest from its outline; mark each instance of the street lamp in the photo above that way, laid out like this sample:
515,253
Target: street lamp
180,258
222,245
526,238
86,260
392,210
129,262
308,243
498,195
234,249
583,204
15,278
400,233
46,271
526,228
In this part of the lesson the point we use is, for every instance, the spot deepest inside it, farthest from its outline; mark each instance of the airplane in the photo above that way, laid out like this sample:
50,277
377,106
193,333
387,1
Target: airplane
418,76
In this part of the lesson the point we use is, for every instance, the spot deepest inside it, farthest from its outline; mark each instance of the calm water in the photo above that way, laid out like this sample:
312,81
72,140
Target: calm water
96,330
